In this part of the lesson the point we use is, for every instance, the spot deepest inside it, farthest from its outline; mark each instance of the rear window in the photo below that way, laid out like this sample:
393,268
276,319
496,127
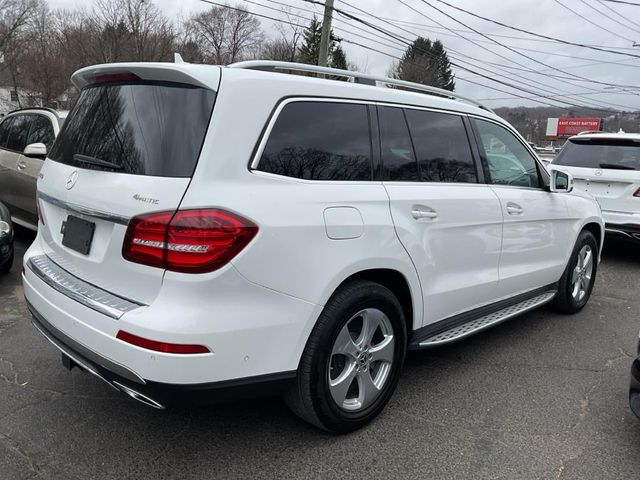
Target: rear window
154,129
320,141
600,153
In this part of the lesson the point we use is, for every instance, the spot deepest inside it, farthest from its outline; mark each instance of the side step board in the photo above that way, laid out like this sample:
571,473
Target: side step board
482,323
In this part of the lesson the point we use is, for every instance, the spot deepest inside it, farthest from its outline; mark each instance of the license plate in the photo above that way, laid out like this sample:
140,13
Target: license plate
77,234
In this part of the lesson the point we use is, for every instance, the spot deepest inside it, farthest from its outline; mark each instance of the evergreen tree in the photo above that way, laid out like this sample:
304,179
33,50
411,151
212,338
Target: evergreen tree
310,49
426,62
339,58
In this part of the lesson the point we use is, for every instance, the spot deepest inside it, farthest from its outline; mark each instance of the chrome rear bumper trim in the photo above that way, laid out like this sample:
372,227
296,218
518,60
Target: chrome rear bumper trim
70,207
82,292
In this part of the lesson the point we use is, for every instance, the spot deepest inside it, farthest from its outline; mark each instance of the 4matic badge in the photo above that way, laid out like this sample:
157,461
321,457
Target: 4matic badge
140,198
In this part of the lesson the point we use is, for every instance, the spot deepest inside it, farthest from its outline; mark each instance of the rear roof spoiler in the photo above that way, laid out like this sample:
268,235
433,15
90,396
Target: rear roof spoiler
206,76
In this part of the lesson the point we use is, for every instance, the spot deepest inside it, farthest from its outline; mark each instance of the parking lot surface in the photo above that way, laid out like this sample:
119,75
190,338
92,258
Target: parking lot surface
542,396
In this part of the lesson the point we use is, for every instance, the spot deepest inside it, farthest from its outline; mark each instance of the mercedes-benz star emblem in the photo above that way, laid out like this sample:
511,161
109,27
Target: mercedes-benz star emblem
598,173
71,181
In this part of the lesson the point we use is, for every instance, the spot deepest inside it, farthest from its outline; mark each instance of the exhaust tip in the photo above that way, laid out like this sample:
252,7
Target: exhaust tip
138,396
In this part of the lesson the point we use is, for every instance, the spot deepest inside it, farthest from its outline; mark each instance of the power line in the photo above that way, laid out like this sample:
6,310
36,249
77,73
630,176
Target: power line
524,67
398,58
578,14
514,95
430,28
617,20
539,35
527,81
386,32
622,2
577,77
453,63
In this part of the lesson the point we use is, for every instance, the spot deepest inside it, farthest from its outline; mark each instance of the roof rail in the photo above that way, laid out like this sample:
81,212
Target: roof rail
356,77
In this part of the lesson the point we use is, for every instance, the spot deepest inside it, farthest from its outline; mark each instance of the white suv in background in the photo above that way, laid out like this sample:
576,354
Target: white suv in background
607,165
206,231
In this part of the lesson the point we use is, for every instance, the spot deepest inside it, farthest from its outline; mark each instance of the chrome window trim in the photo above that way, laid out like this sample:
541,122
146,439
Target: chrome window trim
76,289
73,208
253,166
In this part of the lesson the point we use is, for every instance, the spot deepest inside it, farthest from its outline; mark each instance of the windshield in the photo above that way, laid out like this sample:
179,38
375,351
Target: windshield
142,128
600,153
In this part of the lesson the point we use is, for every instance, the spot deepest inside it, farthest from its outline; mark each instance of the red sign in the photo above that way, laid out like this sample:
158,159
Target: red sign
573,126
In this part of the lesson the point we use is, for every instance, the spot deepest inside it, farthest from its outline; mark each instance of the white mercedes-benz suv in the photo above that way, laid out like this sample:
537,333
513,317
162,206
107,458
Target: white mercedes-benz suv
607,165
206,232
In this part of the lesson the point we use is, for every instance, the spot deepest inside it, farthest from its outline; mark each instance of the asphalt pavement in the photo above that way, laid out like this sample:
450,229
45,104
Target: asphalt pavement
544,396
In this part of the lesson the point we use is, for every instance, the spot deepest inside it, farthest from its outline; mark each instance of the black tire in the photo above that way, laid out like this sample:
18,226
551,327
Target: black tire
564,301
309,397
6,266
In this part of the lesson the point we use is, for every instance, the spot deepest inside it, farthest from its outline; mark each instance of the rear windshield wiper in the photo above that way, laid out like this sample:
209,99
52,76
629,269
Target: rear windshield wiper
616,166
95,161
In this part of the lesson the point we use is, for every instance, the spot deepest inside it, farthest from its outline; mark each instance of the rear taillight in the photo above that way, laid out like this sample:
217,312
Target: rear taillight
637,194
189,241
179,348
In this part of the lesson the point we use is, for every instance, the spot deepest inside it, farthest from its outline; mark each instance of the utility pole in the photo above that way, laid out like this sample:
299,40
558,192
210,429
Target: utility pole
325,39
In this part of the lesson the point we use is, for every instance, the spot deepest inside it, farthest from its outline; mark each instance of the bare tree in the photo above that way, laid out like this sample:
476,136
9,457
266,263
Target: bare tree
14,15
284,48
225,35
277,49
130,30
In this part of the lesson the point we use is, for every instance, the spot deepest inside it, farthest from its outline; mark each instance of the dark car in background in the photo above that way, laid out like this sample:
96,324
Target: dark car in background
25,138
6,240
634,389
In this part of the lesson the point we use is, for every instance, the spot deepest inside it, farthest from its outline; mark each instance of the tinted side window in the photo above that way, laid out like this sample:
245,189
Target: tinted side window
320,141
4,131
442,147
508,161
397,153
41,131
18,132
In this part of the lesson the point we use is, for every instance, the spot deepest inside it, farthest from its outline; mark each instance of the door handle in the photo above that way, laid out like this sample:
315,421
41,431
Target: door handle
514,209
423,213
21,165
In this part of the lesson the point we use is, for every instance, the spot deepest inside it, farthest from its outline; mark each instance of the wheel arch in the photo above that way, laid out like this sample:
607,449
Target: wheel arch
597,231
399,285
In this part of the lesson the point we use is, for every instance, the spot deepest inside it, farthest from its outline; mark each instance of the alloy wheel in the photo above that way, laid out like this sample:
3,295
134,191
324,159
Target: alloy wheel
361,360
582,273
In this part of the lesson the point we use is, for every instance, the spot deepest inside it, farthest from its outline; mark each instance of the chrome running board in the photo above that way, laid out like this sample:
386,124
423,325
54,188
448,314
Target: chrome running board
489,320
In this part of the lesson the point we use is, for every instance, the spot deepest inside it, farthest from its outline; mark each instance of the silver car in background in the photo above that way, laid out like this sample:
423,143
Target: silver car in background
25,138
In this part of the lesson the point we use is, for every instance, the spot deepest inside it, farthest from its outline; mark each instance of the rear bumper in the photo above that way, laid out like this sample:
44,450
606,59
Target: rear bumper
634,389
251,331
156,394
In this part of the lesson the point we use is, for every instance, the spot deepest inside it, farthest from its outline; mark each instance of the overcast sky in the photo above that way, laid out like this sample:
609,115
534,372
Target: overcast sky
618,74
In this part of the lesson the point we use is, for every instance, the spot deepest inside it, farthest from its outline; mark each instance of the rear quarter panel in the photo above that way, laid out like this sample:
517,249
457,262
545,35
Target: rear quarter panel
292,252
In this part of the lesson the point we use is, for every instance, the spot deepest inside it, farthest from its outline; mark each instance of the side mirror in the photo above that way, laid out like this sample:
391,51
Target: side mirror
561,181
35,150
